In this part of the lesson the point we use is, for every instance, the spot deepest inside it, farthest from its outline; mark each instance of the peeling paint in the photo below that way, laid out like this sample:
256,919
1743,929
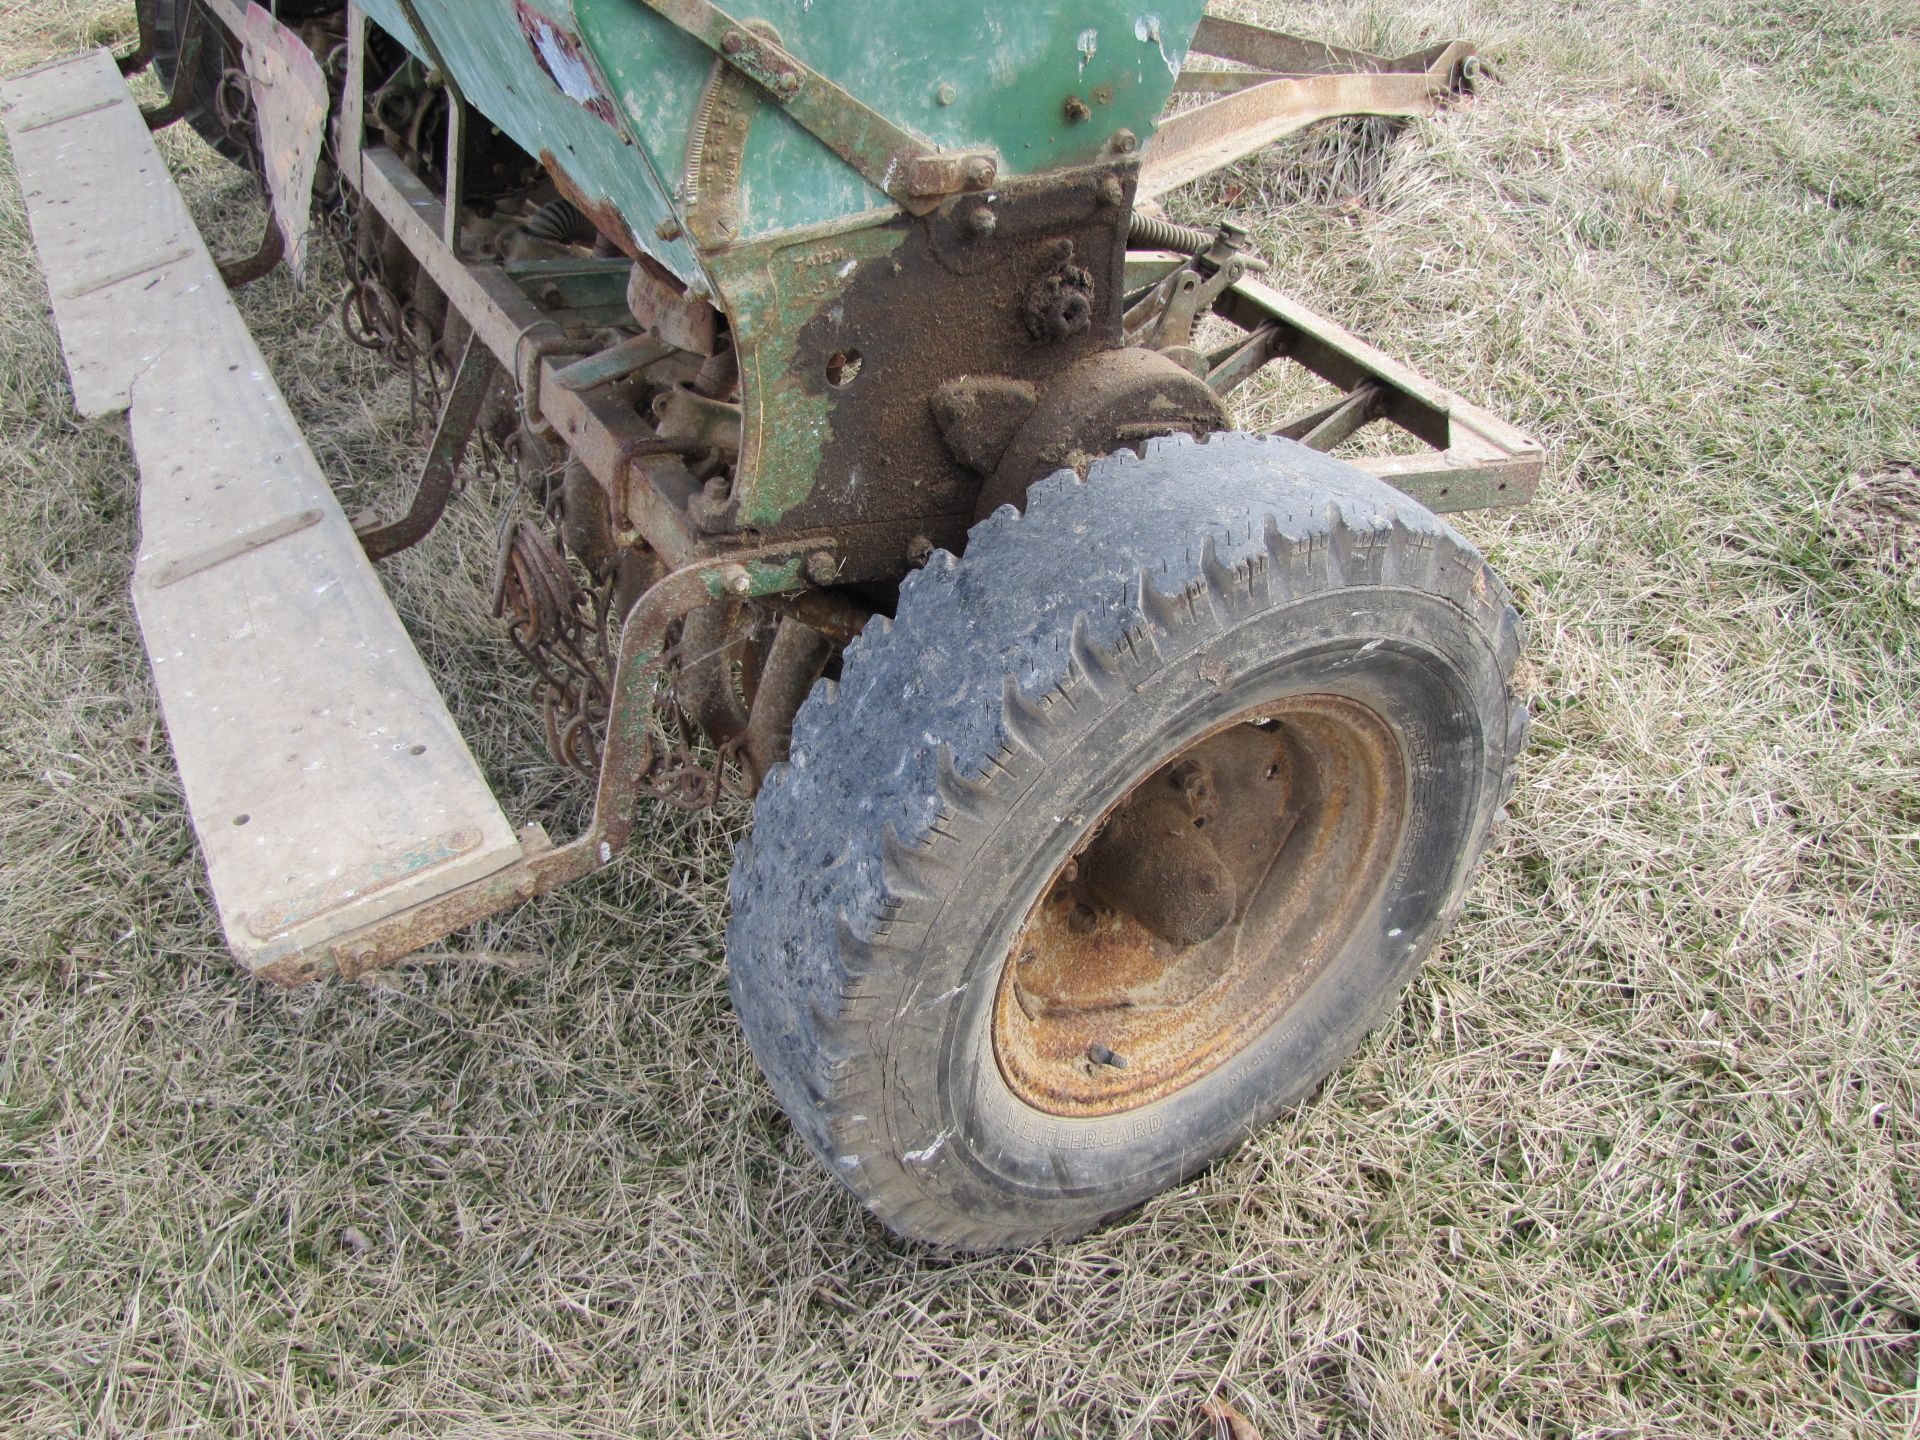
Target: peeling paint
1088,44
565,62
1147,30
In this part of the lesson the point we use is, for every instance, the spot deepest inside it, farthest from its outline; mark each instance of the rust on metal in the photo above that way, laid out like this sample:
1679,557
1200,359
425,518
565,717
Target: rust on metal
601,213
471,383
1107,401
631,766
1201,906
1297,83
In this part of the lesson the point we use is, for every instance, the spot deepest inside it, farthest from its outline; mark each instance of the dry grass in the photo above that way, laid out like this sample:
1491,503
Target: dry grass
1639,1158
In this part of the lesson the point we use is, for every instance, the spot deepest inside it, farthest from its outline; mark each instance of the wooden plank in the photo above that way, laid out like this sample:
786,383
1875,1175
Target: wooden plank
328,784
106,219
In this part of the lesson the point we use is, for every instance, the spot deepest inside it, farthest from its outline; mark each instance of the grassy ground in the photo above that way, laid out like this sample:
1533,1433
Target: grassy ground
1639,1157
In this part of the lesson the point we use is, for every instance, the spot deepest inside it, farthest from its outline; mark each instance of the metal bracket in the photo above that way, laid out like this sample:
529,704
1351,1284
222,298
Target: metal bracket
1294,83
914,174
626,760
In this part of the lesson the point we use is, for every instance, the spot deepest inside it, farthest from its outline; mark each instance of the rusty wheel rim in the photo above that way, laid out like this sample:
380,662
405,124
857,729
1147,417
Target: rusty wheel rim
1201,906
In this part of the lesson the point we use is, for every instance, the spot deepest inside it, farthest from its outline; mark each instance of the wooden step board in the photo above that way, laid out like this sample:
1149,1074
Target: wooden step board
328,784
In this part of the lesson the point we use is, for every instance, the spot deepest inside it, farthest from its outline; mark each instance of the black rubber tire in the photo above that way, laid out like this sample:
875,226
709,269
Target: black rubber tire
958,761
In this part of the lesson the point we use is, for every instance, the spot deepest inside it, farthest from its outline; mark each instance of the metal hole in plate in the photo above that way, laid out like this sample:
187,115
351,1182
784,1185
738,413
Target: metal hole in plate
241,819
417,750
843,367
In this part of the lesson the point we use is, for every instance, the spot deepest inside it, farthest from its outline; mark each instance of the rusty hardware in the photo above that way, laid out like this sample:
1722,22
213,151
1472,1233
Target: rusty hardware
461,413
1200,905
716,150
1059,305
1164,318
246,269
664,308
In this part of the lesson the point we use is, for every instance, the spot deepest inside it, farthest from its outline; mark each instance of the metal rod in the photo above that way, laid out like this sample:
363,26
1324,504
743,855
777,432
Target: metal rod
185,66
141,56
1338,422
456,169
270,252
458,418
350,137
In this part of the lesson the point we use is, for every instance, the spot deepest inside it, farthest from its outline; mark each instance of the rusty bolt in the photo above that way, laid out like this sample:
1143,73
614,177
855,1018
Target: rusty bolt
736,580
733,42
668,229
1112,192
786,82
822,568
1076,110
982,222
945,93
978,172
1101,1055
1124,142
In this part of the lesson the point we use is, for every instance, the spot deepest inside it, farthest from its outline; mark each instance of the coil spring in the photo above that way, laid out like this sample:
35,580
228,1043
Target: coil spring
1149,232
561,222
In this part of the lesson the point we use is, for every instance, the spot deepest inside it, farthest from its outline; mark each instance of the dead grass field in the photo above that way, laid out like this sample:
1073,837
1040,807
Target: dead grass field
1639,1158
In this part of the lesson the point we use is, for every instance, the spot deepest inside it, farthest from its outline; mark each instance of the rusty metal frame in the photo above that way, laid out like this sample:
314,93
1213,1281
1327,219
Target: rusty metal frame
1474,459
543,866
1294,83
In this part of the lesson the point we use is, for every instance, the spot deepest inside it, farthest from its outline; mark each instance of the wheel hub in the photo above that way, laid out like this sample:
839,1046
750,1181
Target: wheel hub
1200,906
